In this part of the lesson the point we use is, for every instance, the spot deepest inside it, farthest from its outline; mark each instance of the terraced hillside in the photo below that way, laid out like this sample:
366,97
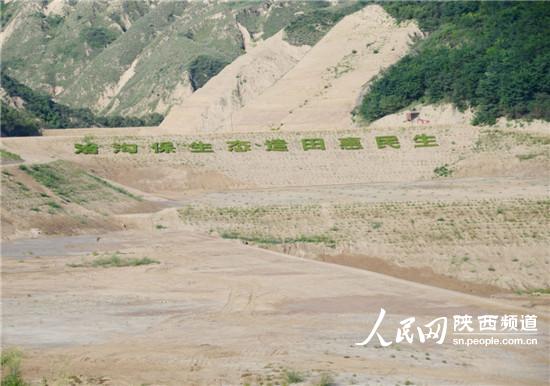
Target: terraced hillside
490,241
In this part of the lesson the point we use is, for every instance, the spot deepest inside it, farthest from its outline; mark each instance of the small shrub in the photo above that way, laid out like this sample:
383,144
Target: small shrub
98,37
11,360
443,171
14,379
53,21
376,225
53,205
326,380
22,186
88,139
292,376
116,261
545,291
525,157
203,68
17,122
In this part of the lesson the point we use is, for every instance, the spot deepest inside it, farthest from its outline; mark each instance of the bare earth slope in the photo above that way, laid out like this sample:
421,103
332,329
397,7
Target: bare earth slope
319,92
210,108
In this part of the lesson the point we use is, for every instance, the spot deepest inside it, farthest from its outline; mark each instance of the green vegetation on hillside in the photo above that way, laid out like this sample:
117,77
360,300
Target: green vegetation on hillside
204,67
11,373
41,111
9,156
6,13
309,28
492,56
98,37
46,50
429,15
280,15
134,57
82,56
17,123
73,184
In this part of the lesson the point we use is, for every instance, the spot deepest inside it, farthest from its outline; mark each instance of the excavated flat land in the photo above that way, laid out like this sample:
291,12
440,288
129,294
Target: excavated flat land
262,263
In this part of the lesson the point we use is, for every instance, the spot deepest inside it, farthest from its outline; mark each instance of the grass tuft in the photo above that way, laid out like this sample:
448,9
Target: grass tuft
326,380
292,376
314,239
9,156
443,171
115,261
11,360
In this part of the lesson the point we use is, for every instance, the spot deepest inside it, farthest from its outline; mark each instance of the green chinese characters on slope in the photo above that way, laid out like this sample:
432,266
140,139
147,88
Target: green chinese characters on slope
350,143
276,145
130,148
238,146
387,141
86,148
272,145
201,147
163,147
423,140
313,144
